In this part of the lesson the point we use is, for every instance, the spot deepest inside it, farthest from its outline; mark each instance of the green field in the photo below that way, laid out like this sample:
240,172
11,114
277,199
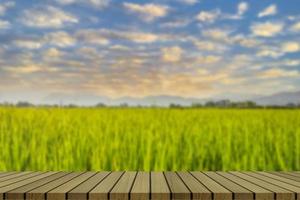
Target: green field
149,139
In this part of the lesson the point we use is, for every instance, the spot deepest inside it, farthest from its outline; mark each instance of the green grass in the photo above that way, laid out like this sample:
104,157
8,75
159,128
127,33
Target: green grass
149,139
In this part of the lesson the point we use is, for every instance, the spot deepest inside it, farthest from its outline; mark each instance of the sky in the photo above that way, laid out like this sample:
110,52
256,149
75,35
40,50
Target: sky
116,48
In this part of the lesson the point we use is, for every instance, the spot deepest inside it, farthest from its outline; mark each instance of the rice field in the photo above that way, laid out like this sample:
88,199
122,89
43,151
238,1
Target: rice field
149,139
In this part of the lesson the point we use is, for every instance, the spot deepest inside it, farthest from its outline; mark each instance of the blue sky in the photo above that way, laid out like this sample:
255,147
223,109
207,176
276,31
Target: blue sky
189,48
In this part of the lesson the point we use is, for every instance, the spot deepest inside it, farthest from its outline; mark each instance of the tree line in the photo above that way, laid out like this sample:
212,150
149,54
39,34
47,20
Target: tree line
208,104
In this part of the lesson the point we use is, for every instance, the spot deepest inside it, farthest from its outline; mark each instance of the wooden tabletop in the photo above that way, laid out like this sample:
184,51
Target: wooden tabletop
150,185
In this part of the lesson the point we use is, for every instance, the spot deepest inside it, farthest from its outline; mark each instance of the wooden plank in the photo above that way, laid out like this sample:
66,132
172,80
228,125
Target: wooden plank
219,192
276,182
198,190
159,187
281,194
177,187
292,174
101,191
18,178
13,176
60,193
21,183
40,192
4,174
260,193
141,187
282,174
20,192
297,174
122,189
238,191
282,179
82,190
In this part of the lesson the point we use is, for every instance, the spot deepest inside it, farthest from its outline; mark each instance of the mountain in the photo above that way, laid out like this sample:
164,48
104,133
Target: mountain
162,100
84,99
89,99
281,98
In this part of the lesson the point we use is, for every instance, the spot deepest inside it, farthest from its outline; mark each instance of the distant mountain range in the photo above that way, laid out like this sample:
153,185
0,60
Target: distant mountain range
281,98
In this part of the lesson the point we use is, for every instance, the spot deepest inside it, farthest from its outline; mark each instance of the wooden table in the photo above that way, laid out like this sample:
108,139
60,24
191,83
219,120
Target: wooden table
150,185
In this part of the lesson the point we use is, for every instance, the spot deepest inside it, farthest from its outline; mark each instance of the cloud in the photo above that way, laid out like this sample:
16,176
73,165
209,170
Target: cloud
189,2
4,24
171,54
93,3
290,47
217,34
245,41
92,37
28,44
292,63
176,24
277,73
242,8
60,39
273,53
267,29
25,69
47,17
148,12
270,10
140,37
210,46
296,27
5,6
30,68
207,59
133,36
209,16
52,53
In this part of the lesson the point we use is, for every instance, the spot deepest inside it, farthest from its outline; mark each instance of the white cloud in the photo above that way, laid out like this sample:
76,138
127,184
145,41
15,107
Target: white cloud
277,73
247,42
171,54
176,23
267,29
119,48
5,6
290,47
27,69
207,59
92,3
60,39
209,16
148,12
217,34
92,36
189,2
138,37
47,17
269,53
52,53
292,63
296,27
210,46
270,10
104,36
28,44
4,24
242,8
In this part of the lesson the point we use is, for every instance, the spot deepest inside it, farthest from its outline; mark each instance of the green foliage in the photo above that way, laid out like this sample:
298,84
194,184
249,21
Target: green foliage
149,139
